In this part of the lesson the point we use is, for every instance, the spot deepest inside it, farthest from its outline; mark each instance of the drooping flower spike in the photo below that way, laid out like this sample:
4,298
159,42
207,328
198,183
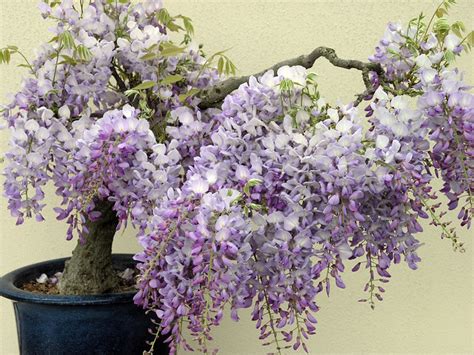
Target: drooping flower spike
259,203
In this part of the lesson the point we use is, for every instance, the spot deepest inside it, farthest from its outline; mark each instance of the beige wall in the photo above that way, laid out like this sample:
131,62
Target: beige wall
426,311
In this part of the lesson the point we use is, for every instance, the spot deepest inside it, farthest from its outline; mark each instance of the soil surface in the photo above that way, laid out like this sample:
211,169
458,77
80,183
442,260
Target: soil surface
48,287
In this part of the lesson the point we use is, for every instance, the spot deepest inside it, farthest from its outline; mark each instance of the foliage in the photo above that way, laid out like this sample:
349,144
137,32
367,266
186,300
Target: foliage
259,203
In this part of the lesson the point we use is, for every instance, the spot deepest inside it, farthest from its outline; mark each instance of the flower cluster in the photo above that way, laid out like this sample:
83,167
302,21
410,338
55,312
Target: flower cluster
97,53
260,203
115,158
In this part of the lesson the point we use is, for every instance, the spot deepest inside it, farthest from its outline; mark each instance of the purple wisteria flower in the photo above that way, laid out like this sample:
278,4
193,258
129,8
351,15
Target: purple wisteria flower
260,202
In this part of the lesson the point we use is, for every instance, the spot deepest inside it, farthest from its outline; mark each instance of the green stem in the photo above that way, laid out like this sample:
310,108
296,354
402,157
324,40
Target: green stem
270,314
438,222
27,62
431,20
463,158
56,64
272,323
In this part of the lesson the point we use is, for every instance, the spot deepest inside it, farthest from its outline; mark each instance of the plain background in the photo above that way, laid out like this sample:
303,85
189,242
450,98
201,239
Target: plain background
425,311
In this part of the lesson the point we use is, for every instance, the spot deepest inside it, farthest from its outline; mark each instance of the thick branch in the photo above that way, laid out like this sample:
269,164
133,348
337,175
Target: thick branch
118,79
216,94
90,271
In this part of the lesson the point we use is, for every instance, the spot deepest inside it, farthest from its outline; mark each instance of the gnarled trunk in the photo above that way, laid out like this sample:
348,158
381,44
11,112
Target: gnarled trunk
90,271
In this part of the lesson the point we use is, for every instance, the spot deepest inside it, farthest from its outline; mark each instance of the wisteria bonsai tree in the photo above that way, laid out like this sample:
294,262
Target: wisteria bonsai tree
246,192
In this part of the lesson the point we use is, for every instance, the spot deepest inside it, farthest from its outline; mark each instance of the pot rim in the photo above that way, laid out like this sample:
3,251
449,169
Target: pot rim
8,288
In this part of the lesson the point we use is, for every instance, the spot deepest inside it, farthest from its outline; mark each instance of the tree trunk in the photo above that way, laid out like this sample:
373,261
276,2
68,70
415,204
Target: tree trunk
90,271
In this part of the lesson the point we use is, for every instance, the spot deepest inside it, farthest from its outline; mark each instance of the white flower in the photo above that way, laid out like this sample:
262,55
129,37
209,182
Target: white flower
298,138
31,126
436,58
381,141
42,133
344,126
431,42
400,102
211,176
174,156
380,94
34,158
428,75
222,222
333,114
392,151
184,115
19,135
302,116
141,156
137,34
451,41
345,252
423,61
128,111
64,112
283,235
296,74
291,222
281,141
228,196
275,217
198,185
242,173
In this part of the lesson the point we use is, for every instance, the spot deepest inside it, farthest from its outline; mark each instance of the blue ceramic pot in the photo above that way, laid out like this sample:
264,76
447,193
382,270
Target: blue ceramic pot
91,324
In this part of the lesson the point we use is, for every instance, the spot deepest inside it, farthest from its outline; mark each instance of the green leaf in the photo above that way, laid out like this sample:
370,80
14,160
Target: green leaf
67,40
68,60
220,65
311,77
441,12
171,79
469,41
145,85
6,56
458,28
251,183
188,25
149,56
163,17
441,28
231,66
171,50
132,92
287,85
449,56
174,27
192,92
255,206
84,53
153,47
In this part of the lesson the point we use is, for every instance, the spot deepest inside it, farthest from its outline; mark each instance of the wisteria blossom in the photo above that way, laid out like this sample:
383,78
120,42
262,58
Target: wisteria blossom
261,201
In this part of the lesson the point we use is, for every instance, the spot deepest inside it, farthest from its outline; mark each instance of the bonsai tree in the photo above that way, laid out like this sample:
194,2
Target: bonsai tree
245,191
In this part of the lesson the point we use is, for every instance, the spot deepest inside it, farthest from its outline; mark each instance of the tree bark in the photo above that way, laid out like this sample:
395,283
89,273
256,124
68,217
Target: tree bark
213,96
90,271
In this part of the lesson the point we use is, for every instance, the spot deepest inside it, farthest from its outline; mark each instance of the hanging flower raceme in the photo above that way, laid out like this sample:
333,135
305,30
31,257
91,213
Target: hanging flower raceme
312,191
449,114
115,158
260,203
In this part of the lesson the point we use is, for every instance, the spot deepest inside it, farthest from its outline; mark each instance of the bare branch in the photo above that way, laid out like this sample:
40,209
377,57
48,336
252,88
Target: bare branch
216,94
361,97
118,79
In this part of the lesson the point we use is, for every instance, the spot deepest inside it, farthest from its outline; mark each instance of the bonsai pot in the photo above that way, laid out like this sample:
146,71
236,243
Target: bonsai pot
90,324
